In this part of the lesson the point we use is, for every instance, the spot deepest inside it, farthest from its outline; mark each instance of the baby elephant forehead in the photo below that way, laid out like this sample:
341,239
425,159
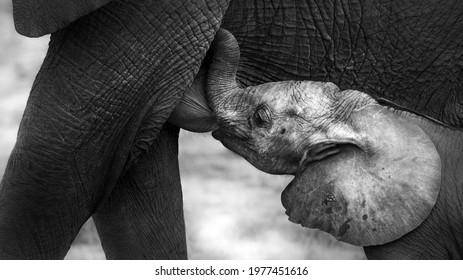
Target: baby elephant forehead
315,93
297,98
276,94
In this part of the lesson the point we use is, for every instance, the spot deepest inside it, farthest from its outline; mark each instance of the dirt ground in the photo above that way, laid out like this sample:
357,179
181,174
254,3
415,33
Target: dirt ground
232,210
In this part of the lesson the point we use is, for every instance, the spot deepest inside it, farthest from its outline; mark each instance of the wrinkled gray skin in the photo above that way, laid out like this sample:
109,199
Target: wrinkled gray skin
194,113
300,127
363,173
93,139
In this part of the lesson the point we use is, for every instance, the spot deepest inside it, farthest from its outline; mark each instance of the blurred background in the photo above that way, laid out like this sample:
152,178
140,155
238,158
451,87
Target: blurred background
232,210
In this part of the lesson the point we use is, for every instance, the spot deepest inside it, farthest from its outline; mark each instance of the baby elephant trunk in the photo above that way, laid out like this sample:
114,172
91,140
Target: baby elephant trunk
222,89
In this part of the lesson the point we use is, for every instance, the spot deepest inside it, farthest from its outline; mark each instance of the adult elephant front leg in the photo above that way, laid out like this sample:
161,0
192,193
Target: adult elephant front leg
83,124
143,217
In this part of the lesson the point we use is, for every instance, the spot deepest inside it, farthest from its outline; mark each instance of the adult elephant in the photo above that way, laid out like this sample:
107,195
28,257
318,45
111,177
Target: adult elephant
92,140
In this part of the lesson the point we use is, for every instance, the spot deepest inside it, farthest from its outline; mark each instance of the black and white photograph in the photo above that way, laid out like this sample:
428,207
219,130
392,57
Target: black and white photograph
231,130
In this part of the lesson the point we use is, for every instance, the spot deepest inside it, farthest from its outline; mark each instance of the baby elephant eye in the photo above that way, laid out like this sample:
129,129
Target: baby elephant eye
262,116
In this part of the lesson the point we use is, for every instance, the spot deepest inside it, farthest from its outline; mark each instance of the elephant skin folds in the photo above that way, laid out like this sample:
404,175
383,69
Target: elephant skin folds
107,73
253,121
101,82
407,53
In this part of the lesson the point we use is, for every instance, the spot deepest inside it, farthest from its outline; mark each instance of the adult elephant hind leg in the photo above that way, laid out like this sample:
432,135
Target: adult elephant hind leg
143,217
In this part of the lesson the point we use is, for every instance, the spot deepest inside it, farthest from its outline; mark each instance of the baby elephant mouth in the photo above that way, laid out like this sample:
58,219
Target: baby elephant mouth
231,142
218,135
229,133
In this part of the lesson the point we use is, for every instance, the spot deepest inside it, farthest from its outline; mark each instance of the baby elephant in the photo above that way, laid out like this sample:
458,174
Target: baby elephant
362,173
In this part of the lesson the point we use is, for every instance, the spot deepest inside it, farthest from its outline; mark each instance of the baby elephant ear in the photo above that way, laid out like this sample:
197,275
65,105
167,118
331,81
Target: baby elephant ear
35,18
374,194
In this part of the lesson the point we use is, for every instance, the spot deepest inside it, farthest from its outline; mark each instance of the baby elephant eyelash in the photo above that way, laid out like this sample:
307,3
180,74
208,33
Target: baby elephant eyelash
262,116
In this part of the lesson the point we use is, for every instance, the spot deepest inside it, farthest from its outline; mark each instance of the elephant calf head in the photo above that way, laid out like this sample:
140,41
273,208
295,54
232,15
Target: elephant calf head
362,173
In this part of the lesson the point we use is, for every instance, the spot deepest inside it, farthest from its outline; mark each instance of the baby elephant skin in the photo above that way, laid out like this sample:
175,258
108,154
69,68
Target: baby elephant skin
371,190
363,173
